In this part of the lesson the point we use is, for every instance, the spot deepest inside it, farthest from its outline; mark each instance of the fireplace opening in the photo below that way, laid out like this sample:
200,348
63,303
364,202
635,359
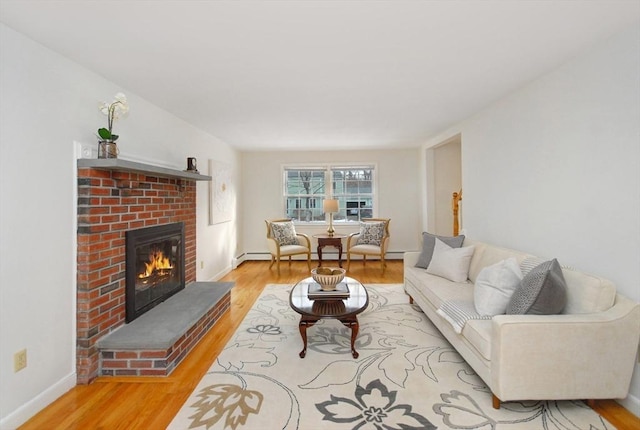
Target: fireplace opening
155,268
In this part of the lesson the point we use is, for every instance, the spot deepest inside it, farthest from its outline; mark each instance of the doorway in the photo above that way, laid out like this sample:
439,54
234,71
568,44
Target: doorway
444,177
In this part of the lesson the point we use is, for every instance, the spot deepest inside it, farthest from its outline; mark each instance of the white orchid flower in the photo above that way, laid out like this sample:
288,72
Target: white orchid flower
104,107
113,110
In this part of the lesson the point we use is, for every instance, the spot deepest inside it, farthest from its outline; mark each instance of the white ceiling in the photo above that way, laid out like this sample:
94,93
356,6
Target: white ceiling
320,74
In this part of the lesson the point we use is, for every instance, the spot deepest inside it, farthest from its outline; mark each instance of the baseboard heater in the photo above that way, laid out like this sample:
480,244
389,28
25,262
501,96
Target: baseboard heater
257,256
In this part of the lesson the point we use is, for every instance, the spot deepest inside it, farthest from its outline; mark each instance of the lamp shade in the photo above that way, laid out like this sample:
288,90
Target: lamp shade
330,206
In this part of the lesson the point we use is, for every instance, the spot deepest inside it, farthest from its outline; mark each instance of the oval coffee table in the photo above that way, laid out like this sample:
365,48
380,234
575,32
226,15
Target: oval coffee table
344,310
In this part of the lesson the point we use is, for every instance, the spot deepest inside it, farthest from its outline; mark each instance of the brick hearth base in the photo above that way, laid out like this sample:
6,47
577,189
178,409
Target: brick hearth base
119,358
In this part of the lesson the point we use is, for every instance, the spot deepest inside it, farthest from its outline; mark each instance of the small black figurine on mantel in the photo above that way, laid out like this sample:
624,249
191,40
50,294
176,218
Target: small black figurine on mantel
192,164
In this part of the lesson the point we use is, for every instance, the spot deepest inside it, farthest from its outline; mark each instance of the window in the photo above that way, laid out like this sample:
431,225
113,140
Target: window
306,187
353,187
304,190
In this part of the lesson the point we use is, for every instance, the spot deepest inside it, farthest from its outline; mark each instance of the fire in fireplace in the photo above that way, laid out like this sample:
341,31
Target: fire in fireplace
155,268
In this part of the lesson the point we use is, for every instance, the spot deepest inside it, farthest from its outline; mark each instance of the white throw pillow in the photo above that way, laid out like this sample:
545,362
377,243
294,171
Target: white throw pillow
495,285
450,263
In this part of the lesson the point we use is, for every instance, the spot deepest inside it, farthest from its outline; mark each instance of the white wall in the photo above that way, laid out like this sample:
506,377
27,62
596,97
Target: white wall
398,193
554,169
47,103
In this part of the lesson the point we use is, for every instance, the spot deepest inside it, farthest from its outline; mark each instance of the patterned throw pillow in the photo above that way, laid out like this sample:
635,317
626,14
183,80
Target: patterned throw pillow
284,233
543,291
371,233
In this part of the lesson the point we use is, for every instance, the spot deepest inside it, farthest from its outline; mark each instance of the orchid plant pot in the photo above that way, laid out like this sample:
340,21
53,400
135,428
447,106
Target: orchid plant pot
107,149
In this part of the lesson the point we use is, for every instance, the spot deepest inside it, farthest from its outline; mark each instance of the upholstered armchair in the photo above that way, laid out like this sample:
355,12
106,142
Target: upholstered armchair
283,241
372,240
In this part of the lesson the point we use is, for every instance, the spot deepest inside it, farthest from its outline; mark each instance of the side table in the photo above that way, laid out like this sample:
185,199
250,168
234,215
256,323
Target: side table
326,240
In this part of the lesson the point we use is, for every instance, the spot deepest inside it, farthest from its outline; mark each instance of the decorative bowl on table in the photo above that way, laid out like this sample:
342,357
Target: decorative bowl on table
328,277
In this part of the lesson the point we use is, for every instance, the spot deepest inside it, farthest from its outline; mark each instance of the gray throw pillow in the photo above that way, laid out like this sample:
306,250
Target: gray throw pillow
429,243
543,291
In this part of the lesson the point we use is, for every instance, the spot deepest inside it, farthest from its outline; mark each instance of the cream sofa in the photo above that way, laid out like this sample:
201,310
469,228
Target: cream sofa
588,352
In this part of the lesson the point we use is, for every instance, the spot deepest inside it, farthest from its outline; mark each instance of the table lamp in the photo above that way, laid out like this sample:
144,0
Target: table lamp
330,206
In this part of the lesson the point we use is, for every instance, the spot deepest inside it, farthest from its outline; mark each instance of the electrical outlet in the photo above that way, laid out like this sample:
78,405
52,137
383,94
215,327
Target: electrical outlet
202,264
19,360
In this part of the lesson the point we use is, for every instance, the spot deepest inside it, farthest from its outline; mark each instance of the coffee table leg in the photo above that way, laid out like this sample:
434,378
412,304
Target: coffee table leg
304,323
354,326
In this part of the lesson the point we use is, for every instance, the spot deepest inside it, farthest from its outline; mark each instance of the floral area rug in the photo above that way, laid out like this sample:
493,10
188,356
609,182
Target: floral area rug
406,377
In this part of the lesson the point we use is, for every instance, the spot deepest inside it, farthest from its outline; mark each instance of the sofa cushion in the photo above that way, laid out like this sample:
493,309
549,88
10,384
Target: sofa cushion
587,293
495,285
486,255
365,249
478,334
450,263
436,289
371,233
542,291
458,312
284,233
429,243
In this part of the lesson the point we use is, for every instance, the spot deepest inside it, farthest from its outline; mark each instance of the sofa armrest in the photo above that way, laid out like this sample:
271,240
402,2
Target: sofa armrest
579,356
410,258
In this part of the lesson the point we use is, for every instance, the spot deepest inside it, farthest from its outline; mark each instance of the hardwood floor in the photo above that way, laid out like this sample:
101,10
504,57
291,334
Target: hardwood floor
150,403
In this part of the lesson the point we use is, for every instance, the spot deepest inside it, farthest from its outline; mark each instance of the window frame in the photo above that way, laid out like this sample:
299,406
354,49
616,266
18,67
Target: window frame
329,184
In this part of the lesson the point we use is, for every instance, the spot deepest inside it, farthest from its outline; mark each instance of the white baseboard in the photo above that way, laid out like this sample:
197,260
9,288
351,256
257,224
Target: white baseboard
35,405
223,272
220,274
632,404
235,262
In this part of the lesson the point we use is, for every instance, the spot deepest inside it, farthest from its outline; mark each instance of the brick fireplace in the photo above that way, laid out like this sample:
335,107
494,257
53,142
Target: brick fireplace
111,201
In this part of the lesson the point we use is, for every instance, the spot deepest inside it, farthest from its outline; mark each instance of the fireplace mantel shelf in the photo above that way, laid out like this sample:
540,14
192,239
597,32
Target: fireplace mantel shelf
135,167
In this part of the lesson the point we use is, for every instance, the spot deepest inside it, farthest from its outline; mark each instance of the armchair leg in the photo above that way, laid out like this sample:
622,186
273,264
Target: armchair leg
309,261
348,261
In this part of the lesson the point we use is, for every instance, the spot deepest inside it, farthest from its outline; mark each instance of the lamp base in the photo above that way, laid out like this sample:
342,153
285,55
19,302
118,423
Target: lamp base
331,231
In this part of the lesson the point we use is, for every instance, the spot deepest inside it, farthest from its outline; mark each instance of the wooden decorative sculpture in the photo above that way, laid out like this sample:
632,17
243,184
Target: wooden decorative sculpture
457,196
